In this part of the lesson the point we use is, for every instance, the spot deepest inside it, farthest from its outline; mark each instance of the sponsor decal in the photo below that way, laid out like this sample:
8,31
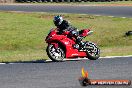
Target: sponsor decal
85,81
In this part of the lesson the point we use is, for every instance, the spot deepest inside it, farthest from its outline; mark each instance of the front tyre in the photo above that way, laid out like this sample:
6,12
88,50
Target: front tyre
55,54
93,52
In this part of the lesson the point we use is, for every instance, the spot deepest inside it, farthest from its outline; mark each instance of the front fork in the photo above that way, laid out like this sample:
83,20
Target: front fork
55,45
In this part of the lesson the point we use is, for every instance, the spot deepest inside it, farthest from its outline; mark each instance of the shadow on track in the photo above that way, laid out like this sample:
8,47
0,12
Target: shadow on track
38,61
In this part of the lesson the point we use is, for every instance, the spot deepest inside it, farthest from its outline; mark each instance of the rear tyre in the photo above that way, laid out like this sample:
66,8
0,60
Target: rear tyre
54,54
93,52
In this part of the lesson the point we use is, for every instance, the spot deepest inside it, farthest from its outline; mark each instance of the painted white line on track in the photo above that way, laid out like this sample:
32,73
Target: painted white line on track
48,60
2,63
87,58
76,59
116,56
123,17
110,16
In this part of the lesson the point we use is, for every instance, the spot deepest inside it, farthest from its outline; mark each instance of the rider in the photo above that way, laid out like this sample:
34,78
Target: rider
63,26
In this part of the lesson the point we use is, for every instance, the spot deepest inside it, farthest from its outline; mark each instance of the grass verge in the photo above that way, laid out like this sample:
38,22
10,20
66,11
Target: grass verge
22,34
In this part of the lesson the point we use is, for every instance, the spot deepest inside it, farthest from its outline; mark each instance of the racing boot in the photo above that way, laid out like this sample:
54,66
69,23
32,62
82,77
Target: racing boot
80,42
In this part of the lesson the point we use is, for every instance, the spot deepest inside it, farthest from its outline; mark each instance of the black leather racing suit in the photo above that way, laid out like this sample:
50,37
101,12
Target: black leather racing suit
65,26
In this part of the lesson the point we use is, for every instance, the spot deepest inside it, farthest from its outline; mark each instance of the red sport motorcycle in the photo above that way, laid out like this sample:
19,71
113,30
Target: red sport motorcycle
62,46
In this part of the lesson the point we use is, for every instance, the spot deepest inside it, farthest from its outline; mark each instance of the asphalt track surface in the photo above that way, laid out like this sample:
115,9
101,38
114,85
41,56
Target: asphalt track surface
64,74
120,11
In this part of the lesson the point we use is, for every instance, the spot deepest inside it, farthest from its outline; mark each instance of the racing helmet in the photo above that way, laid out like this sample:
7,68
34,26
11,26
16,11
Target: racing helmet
58,20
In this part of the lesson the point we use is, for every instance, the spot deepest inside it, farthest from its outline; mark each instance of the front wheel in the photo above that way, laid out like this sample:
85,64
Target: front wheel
55,54
93,52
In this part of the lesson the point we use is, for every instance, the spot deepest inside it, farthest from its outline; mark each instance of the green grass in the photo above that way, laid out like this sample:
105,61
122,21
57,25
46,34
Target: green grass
22,34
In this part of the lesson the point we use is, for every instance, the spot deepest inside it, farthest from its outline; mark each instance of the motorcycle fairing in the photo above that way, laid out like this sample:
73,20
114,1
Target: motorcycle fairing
67,44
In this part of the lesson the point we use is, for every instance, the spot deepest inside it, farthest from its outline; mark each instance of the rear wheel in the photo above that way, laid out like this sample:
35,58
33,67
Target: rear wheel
93,52
55,54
